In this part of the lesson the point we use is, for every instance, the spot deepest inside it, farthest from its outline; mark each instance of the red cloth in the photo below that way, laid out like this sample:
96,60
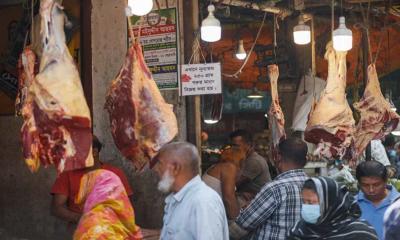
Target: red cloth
68,184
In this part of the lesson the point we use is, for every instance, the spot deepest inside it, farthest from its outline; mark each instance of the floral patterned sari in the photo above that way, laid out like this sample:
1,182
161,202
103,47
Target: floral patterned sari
107,212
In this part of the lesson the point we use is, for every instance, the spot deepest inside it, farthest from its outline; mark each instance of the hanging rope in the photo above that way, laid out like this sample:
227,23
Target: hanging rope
130,30
196,50
304,73
32,21
382,32
388,52
236,74
275,42
332,18
365,27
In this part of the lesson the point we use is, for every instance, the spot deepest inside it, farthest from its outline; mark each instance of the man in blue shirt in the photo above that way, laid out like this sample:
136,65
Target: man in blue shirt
376,195
193,210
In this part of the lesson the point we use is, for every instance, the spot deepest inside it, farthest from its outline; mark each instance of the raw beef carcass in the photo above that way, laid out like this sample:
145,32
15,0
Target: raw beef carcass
23,103
141,121
276,117
26,73
331,124
57,125
377,119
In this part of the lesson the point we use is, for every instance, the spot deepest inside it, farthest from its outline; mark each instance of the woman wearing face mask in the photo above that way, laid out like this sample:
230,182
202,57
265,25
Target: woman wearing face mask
329,212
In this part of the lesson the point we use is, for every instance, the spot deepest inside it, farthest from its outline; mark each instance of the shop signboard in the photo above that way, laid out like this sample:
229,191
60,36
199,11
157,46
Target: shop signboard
200,79
159,39
238,102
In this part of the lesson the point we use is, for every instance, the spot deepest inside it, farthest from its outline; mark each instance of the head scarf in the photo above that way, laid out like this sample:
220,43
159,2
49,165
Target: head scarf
339,218
107,212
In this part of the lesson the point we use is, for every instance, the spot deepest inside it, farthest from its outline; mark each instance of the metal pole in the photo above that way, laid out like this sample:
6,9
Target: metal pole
191,25
365,51
313,62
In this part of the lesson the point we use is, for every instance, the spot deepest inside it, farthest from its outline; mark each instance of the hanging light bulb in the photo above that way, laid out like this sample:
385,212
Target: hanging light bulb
255,94
241,53
209,121
266,115
210,26
140,7
342,37
302,33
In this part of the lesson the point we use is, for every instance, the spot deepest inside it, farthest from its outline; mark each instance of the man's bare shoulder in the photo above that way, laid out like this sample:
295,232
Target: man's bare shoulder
228,167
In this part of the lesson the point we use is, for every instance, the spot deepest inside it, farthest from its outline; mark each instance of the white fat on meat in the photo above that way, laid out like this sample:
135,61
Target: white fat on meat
141,121
331,124
69,145
56,114
376,117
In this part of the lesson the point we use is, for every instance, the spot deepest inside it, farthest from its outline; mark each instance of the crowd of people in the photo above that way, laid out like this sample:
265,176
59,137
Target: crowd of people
234,198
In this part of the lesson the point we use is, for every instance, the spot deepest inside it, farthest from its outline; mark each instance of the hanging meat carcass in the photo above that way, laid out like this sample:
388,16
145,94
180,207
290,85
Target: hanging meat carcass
23,104
27,68
377,119
331,124
57,124
276,117
141,121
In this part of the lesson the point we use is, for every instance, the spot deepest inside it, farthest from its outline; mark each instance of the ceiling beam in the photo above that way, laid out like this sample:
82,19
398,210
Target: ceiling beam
283,12
363,1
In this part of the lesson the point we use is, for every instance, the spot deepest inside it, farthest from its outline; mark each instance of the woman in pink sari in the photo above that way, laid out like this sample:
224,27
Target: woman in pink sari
107,212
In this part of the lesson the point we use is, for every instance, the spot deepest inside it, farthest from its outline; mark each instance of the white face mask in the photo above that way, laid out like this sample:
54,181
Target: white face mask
165,184
310,213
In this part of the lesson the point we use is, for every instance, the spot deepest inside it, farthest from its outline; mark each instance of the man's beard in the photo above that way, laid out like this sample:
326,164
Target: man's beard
165,184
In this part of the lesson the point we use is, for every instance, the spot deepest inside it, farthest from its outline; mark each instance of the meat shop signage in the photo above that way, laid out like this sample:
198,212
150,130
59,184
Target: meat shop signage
200,79
159,38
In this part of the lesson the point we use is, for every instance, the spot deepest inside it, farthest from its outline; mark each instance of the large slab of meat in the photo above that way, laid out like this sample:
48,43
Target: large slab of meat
27,69
23,103
377,119
57,124
276,117
331,123
141,121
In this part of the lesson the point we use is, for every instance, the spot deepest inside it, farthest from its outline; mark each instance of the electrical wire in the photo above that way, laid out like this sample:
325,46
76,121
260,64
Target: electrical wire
275,42
332,18
236,74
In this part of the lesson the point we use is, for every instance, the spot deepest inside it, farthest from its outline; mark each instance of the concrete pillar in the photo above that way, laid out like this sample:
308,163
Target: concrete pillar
109,45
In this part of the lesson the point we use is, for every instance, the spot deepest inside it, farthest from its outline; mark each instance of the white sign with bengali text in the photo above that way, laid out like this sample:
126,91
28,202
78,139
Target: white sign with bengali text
200,79
159,37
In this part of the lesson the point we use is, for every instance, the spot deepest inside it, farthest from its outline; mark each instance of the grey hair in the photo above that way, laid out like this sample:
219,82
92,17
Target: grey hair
184,153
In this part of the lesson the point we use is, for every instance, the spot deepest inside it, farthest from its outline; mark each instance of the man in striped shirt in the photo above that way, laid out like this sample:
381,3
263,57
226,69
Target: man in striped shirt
276,208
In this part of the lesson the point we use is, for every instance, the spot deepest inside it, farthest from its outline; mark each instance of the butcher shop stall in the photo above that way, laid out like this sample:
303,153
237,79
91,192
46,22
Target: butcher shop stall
138,74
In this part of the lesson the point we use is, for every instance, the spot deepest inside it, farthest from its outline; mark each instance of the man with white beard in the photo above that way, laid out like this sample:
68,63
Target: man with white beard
193,210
